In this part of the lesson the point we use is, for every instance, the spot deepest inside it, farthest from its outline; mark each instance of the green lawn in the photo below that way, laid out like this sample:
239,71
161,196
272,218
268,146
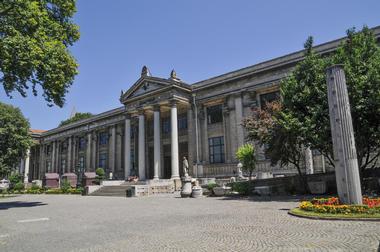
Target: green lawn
302,213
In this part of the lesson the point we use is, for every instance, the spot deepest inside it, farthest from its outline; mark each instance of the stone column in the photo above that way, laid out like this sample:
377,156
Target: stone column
174,141
74,155
52,165
26,167
226,132
157,143
309,161
42,161
346,163
205,152
127,147
191,137
69,155
88,151
141,165
112,149
239,118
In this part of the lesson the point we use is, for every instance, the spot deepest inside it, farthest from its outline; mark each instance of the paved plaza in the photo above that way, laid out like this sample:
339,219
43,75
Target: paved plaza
76,223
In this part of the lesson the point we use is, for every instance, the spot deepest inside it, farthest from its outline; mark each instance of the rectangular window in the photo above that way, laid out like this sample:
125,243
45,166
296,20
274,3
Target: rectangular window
182,122
214,114
216,149
269,97
103,138
166,126
102,160
82,143
48,150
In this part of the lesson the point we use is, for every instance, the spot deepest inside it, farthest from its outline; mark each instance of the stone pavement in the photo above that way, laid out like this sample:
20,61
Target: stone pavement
75,223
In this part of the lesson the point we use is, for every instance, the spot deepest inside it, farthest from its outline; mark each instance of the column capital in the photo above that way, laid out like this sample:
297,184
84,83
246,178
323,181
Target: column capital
127,116
156,107
141,111
173,103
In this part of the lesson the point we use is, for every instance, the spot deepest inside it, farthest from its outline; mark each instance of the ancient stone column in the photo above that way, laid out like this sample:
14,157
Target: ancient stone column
69,155
88,151
127,147
112,149
141,146
174,141
52,166
239,118
157,144
346,163
26,167
309,161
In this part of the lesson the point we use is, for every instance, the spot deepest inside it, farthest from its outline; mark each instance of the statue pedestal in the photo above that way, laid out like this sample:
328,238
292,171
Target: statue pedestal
186,188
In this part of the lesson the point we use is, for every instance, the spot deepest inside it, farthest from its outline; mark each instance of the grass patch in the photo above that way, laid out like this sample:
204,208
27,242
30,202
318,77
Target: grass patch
299,212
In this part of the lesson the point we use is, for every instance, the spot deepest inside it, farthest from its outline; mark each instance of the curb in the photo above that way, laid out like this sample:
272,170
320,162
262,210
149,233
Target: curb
333,218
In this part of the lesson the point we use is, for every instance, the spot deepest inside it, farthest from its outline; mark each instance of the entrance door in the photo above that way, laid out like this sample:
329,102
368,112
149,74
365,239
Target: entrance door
167,162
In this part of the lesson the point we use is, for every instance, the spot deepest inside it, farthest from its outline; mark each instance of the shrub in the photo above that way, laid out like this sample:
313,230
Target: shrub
211,186
54,191
35,187
246,155
100,173
65,186
19,186
15,178
242,188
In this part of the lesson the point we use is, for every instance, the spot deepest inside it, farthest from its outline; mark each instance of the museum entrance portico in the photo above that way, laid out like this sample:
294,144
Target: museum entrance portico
156,114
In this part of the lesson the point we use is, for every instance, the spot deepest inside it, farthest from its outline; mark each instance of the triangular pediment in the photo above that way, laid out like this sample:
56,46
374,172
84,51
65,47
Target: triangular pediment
143,86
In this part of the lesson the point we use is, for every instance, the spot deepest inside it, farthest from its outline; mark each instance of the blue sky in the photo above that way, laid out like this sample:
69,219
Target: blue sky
199,39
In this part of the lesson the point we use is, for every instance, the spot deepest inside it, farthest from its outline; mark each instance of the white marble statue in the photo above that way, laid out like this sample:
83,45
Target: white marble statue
185,167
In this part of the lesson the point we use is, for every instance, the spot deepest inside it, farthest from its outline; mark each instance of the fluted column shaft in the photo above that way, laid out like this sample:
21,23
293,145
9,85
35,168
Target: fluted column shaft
174,141
142,146
157,145
127,148
88,151
346,163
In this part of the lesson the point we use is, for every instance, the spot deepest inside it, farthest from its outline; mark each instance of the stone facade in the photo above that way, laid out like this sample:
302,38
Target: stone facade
163,120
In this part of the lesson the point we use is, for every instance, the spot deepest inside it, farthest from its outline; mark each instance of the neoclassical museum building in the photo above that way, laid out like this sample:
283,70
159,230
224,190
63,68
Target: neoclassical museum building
162,120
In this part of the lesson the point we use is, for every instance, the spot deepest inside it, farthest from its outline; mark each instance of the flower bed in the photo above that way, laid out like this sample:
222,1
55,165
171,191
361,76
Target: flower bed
331,205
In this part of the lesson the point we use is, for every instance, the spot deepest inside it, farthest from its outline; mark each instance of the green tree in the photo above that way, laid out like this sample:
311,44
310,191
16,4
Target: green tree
14,137
34,40
304,95
76,117
246,155
279,134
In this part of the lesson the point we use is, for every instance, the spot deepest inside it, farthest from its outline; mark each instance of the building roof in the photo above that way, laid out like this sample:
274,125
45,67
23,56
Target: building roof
273,63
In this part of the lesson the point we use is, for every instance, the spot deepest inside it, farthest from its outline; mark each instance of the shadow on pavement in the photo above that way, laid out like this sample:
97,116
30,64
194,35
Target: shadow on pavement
297,198
16,204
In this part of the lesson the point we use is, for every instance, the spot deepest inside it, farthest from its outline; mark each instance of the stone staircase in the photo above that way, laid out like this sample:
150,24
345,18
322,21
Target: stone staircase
140,188
115,190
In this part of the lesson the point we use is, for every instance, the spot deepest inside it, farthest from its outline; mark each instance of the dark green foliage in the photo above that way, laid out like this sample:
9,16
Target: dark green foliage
65,186
34,40
302,119
14,137
76,117
211,186
18,187
246,155
305,96
243,188
15,178
100,173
